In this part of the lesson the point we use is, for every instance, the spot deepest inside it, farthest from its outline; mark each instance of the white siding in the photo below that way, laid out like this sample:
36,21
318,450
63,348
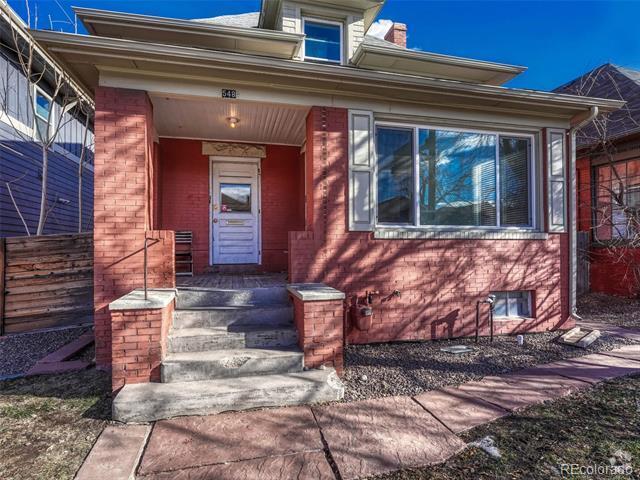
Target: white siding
355,34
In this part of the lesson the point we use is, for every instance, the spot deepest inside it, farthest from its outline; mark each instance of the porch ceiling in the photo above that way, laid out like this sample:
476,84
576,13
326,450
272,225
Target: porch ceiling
202,118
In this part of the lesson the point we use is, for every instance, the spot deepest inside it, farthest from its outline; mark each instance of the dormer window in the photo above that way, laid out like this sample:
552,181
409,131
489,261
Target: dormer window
323,41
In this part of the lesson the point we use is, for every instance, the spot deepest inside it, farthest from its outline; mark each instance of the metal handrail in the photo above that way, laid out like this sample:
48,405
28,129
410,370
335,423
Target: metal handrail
145,273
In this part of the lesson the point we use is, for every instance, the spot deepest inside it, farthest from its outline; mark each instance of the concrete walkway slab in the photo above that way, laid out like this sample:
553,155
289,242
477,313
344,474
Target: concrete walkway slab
382,435
115,454
628,333
458,410
300,466
629,352
187,442
517,391
592,368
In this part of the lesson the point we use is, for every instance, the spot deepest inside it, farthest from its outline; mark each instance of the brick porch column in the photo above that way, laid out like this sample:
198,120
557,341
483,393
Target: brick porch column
123,172
326,177
318,315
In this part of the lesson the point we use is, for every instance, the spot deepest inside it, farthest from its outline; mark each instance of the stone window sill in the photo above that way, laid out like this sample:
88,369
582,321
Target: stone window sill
513,319
411,234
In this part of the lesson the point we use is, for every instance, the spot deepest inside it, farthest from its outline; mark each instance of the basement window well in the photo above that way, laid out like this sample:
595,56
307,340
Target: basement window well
512,304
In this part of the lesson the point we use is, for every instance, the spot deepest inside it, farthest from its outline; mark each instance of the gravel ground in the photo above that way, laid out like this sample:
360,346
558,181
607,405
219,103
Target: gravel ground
623,312
410,368
18,353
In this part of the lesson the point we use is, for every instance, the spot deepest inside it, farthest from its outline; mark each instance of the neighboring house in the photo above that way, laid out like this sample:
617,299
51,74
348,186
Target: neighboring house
290,139
608,175
21,160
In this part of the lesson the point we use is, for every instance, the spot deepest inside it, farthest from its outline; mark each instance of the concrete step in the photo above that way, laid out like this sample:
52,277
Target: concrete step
199,297
220,338
244,362
272,315
145,402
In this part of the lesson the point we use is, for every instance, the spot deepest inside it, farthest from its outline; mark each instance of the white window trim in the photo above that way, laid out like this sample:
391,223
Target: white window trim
535,227
328,22
50,125
16,124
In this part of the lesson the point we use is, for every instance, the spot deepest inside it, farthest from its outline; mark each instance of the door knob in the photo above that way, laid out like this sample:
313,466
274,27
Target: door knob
215,220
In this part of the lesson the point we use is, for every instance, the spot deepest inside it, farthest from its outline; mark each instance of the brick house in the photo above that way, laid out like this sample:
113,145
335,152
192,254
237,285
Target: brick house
291,140
608,179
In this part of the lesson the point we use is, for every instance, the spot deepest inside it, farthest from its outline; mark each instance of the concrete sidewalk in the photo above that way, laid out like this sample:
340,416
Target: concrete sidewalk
355,439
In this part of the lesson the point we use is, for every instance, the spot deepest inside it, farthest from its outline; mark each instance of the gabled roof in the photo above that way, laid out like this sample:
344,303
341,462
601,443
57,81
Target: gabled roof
244,20
612,82
370,8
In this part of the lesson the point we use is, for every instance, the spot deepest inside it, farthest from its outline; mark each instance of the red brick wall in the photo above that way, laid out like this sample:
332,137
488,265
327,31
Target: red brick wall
611,270
122,206
282,203
439,280
185,198
139,344
320,332
614,271
184,174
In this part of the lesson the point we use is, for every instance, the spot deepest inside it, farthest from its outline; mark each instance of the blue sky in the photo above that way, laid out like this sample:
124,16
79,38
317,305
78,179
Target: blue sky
558,40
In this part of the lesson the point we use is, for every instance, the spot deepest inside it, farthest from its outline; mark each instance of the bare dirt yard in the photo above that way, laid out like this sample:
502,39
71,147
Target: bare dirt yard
622,312
48,424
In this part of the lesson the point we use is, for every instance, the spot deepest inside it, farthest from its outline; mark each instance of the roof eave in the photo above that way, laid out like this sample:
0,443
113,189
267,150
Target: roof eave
91,16
83,44
502,72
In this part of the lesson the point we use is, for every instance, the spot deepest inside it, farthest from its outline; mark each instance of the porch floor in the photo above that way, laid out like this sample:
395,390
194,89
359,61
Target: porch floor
233,280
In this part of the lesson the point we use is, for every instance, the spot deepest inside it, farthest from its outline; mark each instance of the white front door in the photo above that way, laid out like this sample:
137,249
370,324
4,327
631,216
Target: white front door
235,205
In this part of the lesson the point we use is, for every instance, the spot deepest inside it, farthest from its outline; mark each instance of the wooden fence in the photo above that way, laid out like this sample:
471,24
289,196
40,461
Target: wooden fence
45,282
583,245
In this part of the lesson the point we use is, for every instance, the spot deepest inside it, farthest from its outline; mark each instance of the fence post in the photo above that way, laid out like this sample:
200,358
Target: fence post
3,246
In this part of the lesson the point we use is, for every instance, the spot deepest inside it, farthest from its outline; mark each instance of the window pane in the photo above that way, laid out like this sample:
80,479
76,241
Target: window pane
322,41
395,175
235,197
523,306
457,178
42,106
41,129
514,182
500,304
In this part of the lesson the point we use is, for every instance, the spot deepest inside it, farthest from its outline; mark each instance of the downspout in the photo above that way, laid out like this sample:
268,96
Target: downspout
576,122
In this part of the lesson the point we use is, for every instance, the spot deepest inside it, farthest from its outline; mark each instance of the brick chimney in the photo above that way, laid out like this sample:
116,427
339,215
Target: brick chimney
397,34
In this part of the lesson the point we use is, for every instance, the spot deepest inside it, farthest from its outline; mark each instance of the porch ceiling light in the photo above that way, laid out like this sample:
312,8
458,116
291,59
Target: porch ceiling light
233,121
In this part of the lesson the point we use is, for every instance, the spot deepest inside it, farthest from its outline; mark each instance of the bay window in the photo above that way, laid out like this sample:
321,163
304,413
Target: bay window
433,177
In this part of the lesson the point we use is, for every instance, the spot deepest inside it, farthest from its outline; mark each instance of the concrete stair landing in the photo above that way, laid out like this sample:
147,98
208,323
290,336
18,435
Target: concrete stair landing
228,350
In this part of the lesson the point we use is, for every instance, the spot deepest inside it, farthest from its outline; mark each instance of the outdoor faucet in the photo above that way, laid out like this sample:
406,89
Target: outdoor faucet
370,294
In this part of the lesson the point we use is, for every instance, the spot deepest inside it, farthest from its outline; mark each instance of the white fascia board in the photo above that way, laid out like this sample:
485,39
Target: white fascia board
61,43
504,71
90,16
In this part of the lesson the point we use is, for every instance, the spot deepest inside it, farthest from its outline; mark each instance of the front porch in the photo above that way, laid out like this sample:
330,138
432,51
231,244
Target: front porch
232,174
232,280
